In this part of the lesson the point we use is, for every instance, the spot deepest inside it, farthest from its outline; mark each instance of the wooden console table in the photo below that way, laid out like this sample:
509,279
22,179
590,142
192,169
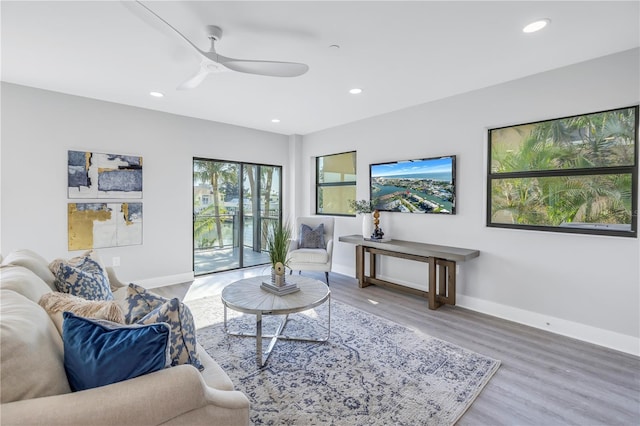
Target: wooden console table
441,259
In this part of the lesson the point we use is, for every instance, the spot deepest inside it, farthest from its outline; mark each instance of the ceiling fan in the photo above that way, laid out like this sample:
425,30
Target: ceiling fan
213,62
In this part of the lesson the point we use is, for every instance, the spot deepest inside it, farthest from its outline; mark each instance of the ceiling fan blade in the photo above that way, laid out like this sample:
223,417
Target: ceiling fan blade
198,78
168,25
211,57
269,68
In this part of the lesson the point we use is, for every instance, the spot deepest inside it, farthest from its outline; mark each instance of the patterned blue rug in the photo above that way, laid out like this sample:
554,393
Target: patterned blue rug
371,371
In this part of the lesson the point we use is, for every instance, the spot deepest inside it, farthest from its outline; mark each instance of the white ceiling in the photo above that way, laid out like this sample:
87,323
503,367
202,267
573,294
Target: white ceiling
400,53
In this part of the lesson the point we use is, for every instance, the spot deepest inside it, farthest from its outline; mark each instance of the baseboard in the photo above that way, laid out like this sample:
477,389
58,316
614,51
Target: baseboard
342,269
597,336
586,333
166,280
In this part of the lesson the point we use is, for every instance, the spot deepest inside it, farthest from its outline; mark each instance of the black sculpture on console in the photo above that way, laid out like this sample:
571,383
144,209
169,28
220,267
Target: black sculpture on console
377,232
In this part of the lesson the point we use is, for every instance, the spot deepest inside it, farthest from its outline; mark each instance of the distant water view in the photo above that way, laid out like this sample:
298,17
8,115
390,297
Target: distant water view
443,176
415,186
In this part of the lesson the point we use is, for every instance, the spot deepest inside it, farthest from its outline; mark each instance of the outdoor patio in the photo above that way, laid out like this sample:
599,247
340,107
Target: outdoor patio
206,261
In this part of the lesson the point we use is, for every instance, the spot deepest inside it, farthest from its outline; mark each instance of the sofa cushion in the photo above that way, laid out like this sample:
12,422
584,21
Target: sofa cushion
55,303
144,307
99,352
23,281
311,237
32,261
31,351
83,277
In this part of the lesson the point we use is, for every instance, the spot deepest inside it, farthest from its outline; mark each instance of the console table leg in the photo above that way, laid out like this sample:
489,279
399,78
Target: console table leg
372,264
360,266
433,304
446,281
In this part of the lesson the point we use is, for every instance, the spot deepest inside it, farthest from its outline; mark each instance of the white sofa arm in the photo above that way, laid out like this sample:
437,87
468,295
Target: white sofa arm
176,395
113,279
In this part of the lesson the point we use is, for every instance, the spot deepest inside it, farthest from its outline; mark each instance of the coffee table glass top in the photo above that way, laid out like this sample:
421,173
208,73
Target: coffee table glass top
246,296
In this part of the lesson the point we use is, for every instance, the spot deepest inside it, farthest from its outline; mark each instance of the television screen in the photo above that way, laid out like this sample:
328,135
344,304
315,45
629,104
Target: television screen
415,186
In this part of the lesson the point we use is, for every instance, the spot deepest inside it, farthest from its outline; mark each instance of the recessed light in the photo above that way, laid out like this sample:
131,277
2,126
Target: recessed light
355,91
536,25
156,94
275,120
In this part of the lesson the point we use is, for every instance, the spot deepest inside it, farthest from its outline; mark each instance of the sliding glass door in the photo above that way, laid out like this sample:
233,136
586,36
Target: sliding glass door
261,192
232,204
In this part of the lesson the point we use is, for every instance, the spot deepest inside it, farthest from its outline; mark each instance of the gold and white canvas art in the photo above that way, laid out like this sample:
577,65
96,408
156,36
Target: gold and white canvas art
98,225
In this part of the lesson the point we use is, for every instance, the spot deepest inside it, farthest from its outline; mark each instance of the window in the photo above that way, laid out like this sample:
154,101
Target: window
233,204
576,174
335,183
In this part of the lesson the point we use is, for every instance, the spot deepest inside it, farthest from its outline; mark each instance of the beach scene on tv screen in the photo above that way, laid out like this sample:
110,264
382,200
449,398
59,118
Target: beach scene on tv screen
417,186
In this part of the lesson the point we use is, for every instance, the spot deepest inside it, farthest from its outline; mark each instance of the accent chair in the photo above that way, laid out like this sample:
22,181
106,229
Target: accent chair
312,248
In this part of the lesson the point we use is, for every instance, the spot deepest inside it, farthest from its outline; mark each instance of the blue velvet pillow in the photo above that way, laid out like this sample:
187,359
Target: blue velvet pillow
99,352
311,238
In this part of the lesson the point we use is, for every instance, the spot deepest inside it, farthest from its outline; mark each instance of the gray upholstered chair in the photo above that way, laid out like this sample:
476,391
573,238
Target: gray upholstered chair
312,248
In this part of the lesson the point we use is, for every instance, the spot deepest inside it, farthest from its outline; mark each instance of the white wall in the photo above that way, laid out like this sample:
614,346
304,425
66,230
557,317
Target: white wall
579,285
38,127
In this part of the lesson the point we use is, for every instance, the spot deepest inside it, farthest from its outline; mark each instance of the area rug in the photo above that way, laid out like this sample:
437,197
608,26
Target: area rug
371,371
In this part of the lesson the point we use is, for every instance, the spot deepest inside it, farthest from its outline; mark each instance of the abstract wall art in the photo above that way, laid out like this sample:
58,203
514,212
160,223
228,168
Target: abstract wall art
98,225
96,175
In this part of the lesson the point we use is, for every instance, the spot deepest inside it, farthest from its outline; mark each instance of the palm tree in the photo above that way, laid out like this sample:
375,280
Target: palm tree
264,192
583,142
597,199
213,173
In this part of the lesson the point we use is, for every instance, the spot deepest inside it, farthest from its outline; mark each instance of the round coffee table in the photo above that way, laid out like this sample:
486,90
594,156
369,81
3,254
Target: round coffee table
247,297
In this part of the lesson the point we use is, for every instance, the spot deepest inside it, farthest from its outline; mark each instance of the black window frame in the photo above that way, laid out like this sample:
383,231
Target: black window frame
595,171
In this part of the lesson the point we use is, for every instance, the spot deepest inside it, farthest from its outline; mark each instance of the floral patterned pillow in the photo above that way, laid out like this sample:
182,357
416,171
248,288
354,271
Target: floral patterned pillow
139,302
144,307
82,277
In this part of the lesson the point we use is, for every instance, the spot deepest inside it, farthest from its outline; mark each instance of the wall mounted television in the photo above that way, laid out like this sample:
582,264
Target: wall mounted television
426,185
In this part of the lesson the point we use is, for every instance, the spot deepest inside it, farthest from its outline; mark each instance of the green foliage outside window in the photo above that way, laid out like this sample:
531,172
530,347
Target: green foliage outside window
575,174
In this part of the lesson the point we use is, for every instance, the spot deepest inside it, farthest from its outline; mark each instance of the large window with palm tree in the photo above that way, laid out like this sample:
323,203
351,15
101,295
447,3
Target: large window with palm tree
575,174
233,203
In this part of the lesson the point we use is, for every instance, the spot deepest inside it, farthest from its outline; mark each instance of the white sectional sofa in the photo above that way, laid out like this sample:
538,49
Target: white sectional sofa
34,387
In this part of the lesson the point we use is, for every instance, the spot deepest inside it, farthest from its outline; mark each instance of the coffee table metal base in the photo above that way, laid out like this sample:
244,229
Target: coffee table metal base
261,357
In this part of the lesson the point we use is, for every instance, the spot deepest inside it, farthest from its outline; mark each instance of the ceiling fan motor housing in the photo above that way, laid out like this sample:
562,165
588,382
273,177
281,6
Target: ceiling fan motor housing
215,32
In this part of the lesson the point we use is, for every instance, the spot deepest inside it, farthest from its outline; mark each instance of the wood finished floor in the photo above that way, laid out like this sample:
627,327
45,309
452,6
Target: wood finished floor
544,379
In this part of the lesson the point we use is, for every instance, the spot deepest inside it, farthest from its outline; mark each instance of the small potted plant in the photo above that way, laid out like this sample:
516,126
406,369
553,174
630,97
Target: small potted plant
364,207
361,206
277,237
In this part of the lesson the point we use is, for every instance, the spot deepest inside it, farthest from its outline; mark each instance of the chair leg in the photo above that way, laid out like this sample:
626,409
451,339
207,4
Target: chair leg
326,276
290,271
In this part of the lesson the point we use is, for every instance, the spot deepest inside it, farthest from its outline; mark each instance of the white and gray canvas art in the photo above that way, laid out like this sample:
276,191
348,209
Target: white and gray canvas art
97,175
